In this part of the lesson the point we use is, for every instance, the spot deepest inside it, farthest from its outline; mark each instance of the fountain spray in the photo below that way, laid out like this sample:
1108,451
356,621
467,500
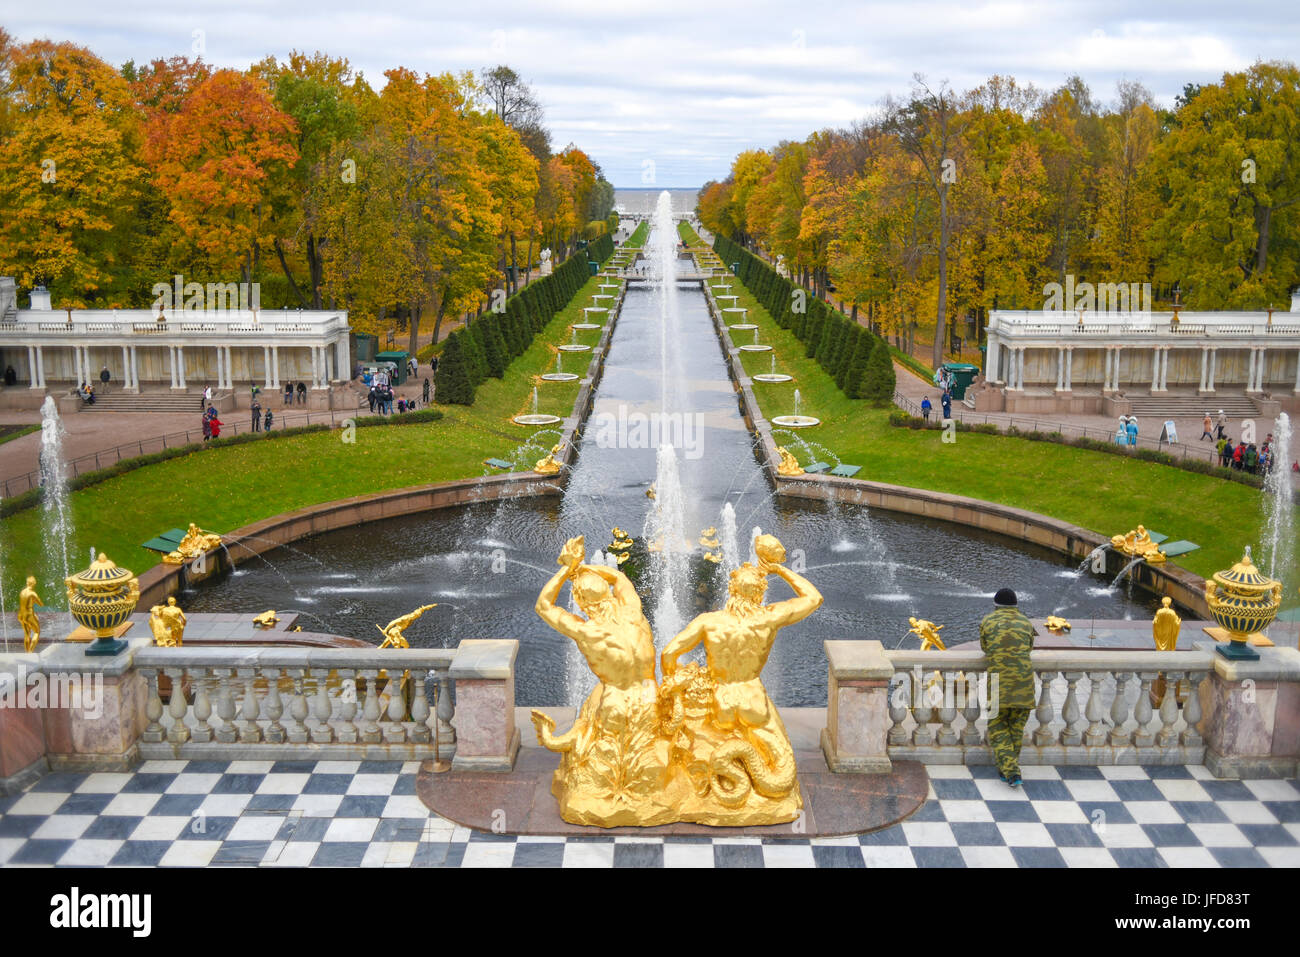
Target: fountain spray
58,513
1279,531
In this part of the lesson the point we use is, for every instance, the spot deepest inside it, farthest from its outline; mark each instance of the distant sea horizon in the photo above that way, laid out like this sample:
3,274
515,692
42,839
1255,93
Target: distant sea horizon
640,200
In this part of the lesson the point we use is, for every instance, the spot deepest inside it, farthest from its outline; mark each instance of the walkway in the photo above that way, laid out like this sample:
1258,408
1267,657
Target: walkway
350,813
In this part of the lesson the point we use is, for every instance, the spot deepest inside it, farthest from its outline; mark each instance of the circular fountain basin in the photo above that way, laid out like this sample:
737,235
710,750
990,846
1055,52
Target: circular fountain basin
756,347
796,421
559,377
586,325
595,308
537,418
722,287
574,347
743,327
772,377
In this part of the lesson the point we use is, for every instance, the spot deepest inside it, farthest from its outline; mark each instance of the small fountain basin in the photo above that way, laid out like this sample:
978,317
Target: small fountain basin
796,421
586,325
559,377
537,418
743,327
772,377
574,347
755,347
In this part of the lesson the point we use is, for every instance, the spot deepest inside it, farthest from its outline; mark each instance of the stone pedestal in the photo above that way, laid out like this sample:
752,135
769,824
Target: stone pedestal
22,736
1252,715
857,713
484,677
95,711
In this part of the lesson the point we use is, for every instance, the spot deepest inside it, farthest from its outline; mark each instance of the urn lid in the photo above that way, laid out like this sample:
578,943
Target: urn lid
103,573
1244,574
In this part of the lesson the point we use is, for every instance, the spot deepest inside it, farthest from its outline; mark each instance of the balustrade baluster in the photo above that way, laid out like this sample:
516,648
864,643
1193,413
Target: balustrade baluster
446,709
1119,734
347,730
394,730
227,733
369,723
275,732
203,729
250,732
322,708
1095,736
1044,734
923,714
177,706
899,695
296,731
1143,736
153,709
948,711
970,735
1071,735
420,710
1167,737
1192,711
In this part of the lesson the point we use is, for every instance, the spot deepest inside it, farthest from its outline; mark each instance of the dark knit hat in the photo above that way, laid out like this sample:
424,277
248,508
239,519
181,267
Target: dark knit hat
1005,596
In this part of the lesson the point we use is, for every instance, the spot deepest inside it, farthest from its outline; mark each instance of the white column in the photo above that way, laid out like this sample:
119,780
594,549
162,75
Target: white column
32,372
1250,371
1060,368
126,369
135,370
1164,369
180,364
316,367
1069,367
230,367
1155,369
1105,380
994,357
343,358
1214,365
275,367
1259,369
1297,372
221,365
40,364
1205,367
1115,384
266,367
171,363
76,364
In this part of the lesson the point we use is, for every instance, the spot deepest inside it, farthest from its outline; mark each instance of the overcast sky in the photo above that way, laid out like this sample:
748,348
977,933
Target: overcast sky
666,93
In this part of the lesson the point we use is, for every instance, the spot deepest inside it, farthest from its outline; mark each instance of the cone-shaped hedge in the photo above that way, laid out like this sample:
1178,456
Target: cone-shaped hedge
878,378
452,382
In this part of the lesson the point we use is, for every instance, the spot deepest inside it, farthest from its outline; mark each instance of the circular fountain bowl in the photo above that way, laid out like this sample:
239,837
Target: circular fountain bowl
603,295
595,308
586,325
756,347
537,418
574,347
743,327
772,377
796,421
559,377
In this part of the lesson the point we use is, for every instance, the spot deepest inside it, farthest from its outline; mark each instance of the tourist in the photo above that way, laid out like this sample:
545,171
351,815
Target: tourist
207,396
1219,451
302,393
288,393
1206,426
947,405
215,425
207,428
1223,424
426,387
269,418
1251,458
1132,429
11,377
256,409
1121,433
1006,638
1225,452
925,408
1238,455
104,377
370,397
401,406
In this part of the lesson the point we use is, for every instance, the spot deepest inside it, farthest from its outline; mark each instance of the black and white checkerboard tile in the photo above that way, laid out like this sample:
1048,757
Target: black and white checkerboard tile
351,813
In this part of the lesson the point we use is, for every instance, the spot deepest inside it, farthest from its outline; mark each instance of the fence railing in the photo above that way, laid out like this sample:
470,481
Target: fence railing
1092,707
296,703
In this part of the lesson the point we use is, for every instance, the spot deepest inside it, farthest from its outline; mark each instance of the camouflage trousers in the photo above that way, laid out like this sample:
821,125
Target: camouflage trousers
1006,733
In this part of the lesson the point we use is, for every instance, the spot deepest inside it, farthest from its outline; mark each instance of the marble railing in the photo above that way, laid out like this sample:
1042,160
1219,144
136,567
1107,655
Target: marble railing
1092,707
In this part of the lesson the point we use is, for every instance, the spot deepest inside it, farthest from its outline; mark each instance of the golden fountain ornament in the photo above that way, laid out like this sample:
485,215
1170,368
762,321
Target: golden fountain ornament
31,625
707,745
549,465
928,632
195,543
1056,624
1138,544
167,624
395,631
102,598
1243,602
789,464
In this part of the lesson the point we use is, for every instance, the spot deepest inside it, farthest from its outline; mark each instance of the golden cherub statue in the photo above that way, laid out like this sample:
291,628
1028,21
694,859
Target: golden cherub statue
167,624
1056,624
195,543
789,464
266,619
1165,626
394,631
27,602
549,465
1138,544
928,632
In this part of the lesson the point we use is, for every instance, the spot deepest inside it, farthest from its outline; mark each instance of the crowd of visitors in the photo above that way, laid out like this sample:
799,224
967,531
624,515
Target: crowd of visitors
1247,457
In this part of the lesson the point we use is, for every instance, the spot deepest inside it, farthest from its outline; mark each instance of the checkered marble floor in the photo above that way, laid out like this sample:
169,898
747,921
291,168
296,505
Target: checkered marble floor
351,813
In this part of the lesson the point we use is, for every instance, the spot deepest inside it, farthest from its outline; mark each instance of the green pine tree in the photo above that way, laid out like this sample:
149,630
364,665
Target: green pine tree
452,383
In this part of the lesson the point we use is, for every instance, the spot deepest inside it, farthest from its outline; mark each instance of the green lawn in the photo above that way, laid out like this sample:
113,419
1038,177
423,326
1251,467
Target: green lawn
223,489
1106,493
638,237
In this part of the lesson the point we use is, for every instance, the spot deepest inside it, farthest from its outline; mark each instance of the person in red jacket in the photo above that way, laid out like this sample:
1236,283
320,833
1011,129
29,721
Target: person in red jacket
215,425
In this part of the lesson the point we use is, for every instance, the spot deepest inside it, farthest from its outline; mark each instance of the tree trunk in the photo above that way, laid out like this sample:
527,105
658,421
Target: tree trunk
317,269
284,266
528,266
413,347
437,320
936,352
1263,221
514,265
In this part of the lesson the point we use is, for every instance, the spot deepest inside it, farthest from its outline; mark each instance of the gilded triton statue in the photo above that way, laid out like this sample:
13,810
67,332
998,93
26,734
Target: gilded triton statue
740,761
928,632
27,602
167,624
395,631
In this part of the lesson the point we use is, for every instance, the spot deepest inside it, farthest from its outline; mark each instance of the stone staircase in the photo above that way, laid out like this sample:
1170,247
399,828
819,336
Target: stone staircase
1191,406
146,402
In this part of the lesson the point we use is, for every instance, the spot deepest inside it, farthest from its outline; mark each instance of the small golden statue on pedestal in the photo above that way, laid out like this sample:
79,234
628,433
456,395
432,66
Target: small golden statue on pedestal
928,632
1056,624
167,623
549,465
708,746
266,619
1138,544
27,600
1165,626
195,543
789,464
395,631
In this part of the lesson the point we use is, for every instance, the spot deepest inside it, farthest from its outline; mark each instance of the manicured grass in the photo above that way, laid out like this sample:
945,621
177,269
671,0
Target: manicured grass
222,489
1105,493
639,236
10,432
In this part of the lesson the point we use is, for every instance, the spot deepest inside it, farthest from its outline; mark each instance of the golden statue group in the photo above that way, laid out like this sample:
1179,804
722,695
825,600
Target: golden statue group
706,745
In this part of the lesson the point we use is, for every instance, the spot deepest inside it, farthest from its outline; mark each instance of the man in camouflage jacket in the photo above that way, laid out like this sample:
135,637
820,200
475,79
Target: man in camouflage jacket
1007,637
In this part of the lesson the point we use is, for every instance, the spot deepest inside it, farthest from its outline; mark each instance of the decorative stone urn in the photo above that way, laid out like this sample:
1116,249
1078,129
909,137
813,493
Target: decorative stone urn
1243,602
102,598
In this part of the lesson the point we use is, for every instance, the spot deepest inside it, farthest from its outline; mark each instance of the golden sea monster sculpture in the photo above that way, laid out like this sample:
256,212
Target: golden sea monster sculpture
1056,624
738,759
27,602
167,624
549,465
1138,544
195,543
395,631
1165,626
266,619
613,761
789,465
928,632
